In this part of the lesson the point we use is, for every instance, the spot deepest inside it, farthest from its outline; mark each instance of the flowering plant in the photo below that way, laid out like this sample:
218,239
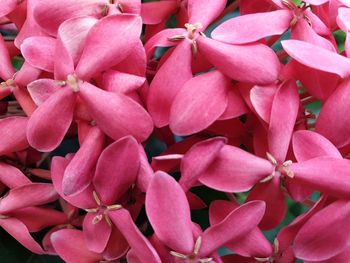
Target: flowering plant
175,131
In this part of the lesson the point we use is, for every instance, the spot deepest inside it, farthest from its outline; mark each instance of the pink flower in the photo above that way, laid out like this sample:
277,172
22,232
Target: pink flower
166,202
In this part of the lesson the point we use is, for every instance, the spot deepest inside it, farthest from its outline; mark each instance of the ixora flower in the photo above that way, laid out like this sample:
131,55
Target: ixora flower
329,123
19,207
116,172
260,63
252,27
167,202
61,98
49,15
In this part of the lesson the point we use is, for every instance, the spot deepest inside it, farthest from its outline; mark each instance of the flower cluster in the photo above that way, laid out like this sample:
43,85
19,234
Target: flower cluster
221,96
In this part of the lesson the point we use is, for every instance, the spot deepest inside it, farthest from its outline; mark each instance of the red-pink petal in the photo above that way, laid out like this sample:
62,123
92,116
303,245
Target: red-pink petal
197,159
317,57
121,82
284,112
96,234
99,54
252,27
166,202
235,170
117,169
13,134
200,102
6,71
237,224
272,194
138,243
37,218
11,176
39,52
78,174
253,63
50,122
261,98
168,81
82,200
124,116
308,145
42,89
204,12
71,247
325,234
153,13
28,195
326,174
331,123
51,16
20,232
253,243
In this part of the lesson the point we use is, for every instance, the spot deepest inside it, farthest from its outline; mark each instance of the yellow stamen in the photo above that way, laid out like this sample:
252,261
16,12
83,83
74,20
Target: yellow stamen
97,219
178,255
197,246
97,199
72,81
271,158
176,38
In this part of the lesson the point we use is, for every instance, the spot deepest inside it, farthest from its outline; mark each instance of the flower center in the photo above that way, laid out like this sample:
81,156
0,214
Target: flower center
279,168
298,11
110,3
101,210
192,33
192,258
73,82
7,84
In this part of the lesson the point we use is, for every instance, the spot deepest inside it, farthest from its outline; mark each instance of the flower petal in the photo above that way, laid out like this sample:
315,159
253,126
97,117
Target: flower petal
153,13
28,195
138,243
71,247
12,177
121,82
313,243
253,244
124,116
204,12
117,169
326,174
235,170
236,225
197,159
78,175
50,122
39,52
253,63
166,202
99,54
42,89
82,200
6,71
308,145
13,134
252,27
284,113
316,57
272,194
96,242
200,102
330,122
20,232
168,81
51,16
